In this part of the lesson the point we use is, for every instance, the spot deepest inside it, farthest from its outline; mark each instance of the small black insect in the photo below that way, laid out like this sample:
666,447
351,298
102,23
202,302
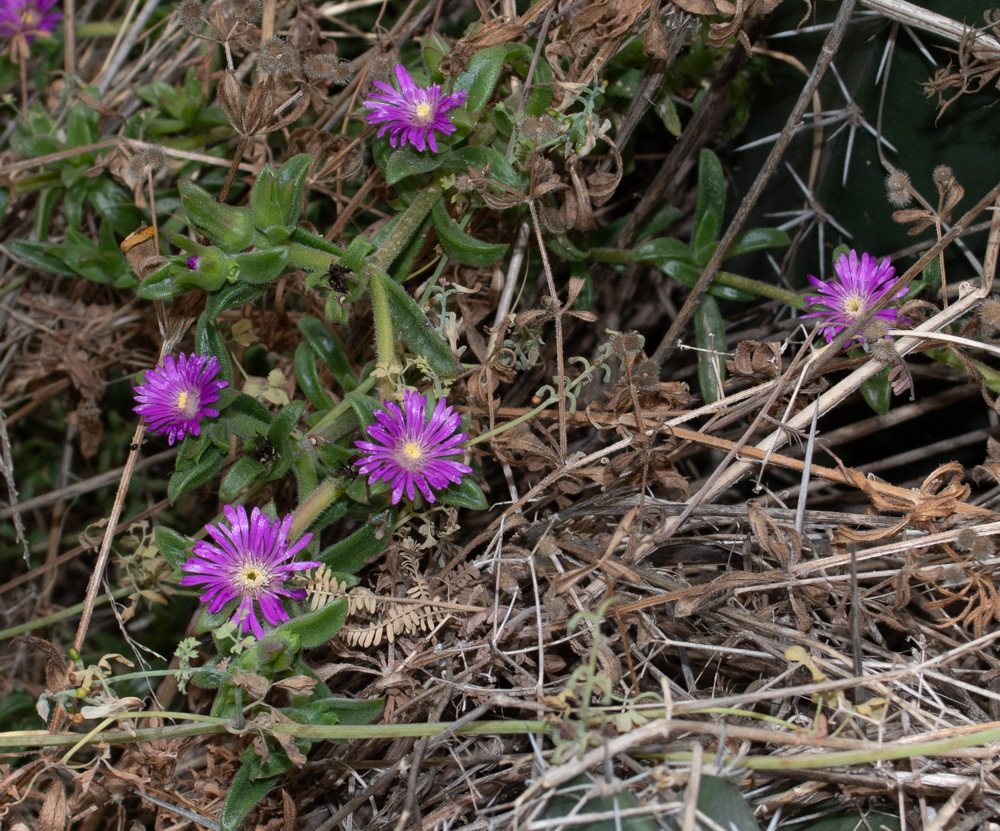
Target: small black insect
265,454
337,277
133,447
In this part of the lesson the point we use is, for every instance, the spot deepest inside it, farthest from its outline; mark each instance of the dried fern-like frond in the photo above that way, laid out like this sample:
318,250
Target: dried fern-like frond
325,586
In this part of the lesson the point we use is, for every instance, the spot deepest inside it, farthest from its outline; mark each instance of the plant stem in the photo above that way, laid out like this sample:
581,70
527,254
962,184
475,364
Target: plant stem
318,501
722,278
385,336
55,617
323,426
410,220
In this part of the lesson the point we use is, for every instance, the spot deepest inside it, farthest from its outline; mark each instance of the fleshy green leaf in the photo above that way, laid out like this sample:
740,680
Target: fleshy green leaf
317,627
481,75
307,377
711,206
405,162
416,330
241,475
188,479
459,245
466,494
174,548
877,391
247,417
351,554
758,239
247,789
326,345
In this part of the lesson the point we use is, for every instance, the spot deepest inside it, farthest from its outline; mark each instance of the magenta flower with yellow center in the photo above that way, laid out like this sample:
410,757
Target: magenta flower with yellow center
413,113
250,560
30,18
410,450
174,397
860,284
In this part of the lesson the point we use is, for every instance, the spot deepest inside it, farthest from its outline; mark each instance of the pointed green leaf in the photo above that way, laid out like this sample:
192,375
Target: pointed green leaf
190,478
315,628
466,494
307,377
241,476
328,347
480,76
757,239
351,554
877,391
459,245
174,548
711,207
406,161
416,329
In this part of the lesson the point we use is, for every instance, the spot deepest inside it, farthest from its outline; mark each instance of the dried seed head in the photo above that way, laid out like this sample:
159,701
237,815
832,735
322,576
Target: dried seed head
877,330
380,67
627,343
646,376
539,128
966,539
883,351
136,168
897,186
989,317
319,67
289,61
943,176
247,11
189,15
983,548
269,56
153,157
343,72
463,183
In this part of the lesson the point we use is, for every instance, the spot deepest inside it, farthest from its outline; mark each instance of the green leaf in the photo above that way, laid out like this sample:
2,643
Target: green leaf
371,539
328,347
662,250
481,75
877,391
355,711
317,627
247,417
245,791
232,297
416,330
260,266
185,480
710,335
208,340
228,227
285,421
307,377
174,548
722,802
579,799
405,162
711,207
35,255
758,239
690,274
242,475
459,245
466,494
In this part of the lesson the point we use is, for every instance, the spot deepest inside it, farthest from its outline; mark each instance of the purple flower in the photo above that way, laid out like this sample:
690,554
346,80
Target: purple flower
860,286
193,262
249,561
28,17
409,449
412,114
175,396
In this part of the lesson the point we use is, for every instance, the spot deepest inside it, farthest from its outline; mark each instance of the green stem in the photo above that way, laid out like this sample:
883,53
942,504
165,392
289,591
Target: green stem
324,426
723,278
55,617
317,502
407,225
385,336
507,425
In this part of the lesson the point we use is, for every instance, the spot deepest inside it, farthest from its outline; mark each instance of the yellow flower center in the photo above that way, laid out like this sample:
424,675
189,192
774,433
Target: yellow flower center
410,455
422,114
854,306
253,578
187,403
